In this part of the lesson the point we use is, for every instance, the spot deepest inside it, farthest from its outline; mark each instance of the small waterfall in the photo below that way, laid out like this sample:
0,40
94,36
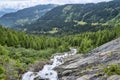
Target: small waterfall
48,70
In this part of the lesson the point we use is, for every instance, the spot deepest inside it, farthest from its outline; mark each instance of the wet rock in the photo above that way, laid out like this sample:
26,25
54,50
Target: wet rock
85,77
67,72
68,78
114,77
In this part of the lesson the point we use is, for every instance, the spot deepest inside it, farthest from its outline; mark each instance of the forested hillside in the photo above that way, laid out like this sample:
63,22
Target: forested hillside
90,40
19,39
25,16
76,18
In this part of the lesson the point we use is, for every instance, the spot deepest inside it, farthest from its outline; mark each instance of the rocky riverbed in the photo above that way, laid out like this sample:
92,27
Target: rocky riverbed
90,66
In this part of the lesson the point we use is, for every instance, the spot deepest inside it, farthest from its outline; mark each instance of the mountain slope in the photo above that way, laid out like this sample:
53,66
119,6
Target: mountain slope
75,18
25,16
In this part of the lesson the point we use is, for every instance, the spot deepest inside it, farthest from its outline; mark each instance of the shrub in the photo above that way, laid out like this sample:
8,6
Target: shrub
2,73
112,70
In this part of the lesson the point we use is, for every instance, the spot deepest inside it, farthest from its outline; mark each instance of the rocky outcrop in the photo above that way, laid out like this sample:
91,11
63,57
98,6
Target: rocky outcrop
90,66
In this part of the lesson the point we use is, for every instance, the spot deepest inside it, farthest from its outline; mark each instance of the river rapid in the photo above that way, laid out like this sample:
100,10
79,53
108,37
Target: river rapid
48,72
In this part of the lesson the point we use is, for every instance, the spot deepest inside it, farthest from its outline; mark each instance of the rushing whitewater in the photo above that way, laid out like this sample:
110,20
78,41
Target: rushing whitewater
47,72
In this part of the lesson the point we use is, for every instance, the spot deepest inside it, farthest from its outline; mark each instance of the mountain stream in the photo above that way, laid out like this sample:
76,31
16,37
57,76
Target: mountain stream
48,72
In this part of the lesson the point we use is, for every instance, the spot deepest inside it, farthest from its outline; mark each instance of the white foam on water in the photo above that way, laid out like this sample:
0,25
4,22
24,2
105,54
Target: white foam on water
48,70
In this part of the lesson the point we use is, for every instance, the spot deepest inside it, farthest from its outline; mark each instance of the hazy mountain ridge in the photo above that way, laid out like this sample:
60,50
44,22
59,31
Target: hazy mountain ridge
26,15
6,10
1,13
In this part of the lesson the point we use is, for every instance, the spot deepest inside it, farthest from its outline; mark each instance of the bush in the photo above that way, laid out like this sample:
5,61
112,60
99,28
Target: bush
3,51
2,73
112,70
